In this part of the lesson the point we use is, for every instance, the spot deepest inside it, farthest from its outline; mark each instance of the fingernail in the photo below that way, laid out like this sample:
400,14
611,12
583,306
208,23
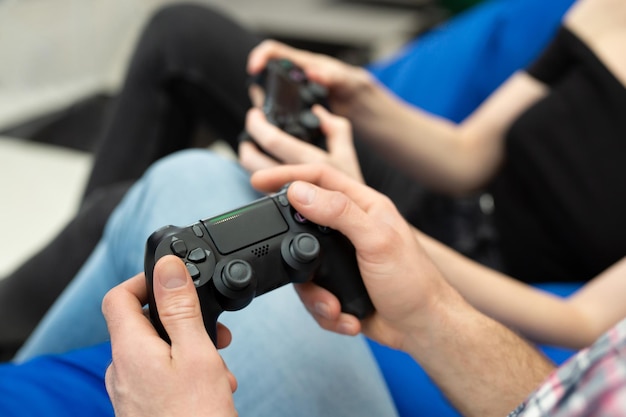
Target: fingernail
172,275
346,328
302,192
323,310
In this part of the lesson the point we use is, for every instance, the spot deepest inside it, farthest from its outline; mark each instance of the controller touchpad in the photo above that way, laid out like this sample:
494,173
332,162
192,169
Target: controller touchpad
244,227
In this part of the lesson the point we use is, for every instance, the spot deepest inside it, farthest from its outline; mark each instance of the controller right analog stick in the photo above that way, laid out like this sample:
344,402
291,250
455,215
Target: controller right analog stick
304,248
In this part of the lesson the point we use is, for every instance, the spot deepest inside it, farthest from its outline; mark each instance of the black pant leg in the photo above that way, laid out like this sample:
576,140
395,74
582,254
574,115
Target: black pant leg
190,63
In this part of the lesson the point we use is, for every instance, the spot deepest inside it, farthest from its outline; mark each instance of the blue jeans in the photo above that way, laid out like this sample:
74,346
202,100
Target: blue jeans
285,364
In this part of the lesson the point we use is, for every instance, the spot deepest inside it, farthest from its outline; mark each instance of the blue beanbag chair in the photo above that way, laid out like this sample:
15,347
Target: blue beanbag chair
61,385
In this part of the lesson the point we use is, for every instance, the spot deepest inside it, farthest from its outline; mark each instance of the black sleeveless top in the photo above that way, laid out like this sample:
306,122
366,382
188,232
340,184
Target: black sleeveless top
560,198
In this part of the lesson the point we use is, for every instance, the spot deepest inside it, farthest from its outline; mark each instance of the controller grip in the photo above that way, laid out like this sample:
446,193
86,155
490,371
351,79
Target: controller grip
340,275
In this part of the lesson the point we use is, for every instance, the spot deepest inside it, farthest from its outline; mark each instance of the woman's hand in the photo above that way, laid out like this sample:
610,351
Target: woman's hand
149,377
345,83
285,148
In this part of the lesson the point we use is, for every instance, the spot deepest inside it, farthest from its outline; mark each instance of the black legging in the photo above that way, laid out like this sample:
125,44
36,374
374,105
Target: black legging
188,69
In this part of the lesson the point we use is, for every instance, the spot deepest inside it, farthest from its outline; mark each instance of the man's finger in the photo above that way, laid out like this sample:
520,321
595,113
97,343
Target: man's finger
322,175
178,305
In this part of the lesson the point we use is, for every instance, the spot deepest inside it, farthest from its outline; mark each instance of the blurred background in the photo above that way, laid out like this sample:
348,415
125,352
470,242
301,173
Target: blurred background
62,62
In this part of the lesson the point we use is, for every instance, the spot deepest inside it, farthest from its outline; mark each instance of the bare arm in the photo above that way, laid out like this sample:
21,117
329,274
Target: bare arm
482,367
449,157
460,158
452,158
573,322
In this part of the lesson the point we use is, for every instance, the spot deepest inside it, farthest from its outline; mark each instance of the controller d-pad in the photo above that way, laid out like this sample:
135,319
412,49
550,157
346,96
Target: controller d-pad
179,248
197,255
199,259
193,270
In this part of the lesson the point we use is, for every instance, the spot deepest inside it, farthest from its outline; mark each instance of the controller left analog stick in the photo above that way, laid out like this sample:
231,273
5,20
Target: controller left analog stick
237,275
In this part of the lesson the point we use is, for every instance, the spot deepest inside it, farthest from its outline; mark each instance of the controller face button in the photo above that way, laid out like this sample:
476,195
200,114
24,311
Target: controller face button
318,90
324,229
179,248
300,218
295,130
295,74
193,270
285,63
237,274
304,248
197,230
197,255
309,120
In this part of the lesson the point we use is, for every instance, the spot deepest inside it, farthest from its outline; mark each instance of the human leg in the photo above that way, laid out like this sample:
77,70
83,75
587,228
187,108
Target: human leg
183,70
189,66
285,363
179,189
28,292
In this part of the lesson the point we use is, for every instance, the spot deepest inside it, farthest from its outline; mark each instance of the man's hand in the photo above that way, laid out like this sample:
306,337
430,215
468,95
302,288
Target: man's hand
401,280
147,376
484,369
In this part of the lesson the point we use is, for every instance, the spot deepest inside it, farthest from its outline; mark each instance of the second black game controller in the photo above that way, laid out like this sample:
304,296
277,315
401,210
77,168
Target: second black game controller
244,253
289,98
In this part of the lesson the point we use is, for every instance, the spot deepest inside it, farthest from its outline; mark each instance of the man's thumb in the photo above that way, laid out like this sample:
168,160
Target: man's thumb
177,300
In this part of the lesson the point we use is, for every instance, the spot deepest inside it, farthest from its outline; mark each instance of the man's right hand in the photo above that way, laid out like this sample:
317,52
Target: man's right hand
402,281
149,377
483,367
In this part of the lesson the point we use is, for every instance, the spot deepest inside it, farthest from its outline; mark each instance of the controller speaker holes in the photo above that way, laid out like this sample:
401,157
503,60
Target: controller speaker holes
261,251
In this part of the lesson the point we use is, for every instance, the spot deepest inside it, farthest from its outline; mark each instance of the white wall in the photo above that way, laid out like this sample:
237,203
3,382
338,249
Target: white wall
53,52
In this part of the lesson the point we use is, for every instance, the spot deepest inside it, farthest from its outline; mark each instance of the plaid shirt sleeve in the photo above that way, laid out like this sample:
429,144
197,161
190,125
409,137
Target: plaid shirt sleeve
592,383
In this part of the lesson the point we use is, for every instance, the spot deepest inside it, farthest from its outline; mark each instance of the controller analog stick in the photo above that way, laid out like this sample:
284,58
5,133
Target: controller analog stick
304,248
237,274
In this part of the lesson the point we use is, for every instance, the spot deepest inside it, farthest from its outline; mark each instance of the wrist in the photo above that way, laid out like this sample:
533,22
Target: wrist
359,95
483,368
436,319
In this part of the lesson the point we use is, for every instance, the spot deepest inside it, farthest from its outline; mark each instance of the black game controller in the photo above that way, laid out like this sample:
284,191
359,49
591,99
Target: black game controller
289,97
249,251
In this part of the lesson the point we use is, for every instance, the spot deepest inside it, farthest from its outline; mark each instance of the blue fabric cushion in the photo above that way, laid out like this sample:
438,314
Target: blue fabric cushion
450,70
65,385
